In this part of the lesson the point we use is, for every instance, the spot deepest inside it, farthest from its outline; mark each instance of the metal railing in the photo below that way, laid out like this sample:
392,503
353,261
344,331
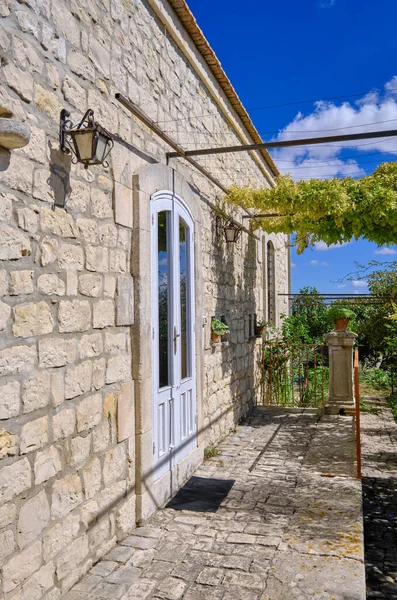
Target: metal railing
294,374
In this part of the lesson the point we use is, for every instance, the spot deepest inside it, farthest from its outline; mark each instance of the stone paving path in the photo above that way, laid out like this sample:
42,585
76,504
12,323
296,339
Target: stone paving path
268,526
379,451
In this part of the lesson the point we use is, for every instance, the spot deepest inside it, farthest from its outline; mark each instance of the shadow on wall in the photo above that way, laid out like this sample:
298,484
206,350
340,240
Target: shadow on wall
59,179
5,158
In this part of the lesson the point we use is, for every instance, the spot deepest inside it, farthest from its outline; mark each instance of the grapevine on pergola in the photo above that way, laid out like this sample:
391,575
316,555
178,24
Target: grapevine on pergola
332,211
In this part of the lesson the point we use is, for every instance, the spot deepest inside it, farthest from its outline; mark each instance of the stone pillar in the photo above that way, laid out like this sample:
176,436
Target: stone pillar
340,348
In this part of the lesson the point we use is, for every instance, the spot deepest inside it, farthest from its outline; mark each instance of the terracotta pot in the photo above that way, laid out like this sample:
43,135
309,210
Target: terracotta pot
258,330
215,338
341,324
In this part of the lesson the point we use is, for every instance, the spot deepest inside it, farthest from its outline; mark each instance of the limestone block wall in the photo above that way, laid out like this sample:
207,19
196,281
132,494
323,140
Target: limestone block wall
67,242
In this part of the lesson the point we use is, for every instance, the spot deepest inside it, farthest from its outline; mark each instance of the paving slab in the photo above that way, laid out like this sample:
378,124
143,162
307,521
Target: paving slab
257,522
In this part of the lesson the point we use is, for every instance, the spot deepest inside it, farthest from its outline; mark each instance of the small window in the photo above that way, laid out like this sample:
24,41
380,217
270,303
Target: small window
271,285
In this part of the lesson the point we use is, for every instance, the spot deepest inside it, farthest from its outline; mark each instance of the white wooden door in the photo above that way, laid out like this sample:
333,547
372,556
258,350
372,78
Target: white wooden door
173,336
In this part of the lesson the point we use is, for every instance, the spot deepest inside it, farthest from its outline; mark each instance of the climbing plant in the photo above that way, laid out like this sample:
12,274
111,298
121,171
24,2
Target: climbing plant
332,211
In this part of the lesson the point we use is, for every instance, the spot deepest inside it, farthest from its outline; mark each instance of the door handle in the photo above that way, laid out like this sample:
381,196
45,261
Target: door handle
176,336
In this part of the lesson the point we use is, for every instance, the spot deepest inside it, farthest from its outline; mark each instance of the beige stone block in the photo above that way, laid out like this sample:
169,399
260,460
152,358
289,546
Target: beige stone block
49,250
126,412
28,22
5,209
88,230
13,243
56,352
103,314
79,198
58,222
90,345
115,343
3,282
92,478
27,220
71,256
97,259
57,388
108,497
124,238
41,187
74,93
78,380
36,391
19,81
36,149
98,373
66,27
51,285
81,65
17,359
10,399
34,516
109,286
63,423
101,204
126,517
101,437
8,513
18,176
60,536
71,282
53,76
125,300
34,435
90,285
5,314
80,450
38,584
117,260
32,319
89,412
7,543
47,464
21,282
74,315
118,369
107,234
47,101
14,479
9,444
71,558
26,56
21,566
89,512
110,406
99,532
66,495
115,465
123,207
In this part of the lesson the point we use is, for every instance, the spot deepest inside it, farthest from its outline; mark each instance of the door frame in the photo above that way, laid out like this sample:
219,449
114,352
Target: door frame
178,390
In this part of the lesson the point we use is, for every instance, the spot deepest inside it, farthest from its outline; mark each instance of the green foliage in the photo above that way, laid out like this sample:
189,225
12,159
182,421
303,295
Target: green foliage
367,407
333,211
336,311
307,322
211,452
373,379
392,402
219,327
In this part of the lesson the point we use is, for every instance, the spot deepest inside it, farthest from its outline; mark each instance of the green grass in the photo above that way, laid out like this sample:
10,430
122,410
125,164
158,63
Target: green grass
367,407
374,382
211,452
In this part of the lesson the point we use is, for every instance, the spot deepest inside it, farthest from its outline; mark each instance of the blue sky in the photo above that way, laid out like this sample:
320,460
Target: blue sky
284,52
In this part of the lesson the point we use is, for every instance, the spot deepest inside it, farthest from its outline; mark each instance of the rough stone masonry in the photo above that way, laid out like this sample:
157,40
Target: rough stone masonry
72,245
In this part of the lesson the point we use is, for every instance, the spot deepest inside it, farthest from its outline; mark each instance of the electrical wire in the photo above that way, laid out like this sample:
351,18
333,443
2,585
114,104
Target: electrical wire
269,106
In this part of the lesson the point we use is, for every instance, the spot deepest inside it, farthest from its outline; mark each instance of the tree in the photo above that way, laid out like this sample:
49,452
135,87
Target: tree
307,322
332,211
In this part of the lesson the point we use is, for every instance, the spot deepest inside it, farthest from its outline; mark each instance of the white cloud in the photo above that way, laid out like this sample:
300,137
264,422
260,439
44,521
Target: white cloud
386,250
327,118
359,283
293,266
318,263
342,285
322,246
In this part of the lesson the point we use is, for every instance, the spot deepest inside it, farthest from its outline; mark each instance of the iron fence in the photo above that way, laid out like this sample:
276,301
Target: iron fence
294,374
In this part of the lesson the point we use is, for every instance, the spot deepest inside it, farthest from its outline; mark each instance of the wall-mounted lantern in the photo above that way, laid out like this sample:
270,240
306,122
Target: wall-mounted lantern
231,230
88,142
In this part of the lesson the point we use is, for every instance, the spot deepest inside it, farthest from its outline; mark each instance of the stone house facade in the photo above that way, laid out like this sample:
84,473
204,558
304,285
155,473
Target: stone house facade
110,388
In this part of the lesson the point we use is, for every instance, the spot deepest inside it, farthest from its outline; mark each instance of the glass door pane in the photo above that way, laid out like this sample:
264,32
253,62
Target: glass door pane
164,298
184,287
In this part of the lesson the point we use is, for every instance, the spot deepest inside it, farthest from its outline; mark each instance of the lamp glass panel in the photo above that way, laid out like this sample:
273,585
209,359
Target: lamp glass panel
83,144
230,234
101,143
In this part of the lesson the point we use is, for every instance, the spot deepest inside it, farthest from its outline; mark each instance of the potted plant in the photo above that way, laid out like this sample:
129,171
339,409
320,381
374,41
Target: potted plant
218,329
340,316
259,327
